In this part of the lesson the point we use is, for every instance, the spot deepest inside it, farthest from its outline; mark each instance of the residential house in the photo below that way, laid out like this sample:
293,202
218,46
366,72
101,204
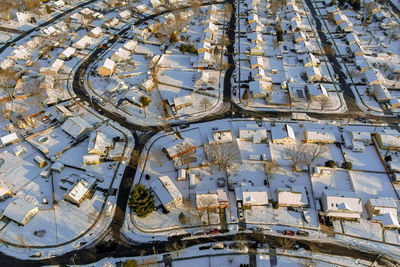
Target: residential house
394,102
99,143
255,37
20,211
204,47
57,66
364,137
321,171
68,53
204,60
283,135
299,37
341,205
254,134
313,74
253,17
295,196
124,15
346,26
130,46
381,93
81,190
254,195
167,192
178,148
310,60
339,18
356,49
316,92
221,137
83,43
147,84
352,38
8,139
384,211
322,137
77,127
259,88
256,62
91,159
374,77
121,55
24,16
183,101
256,49
95,32
211,200
111,23
362,63
388,141
108,68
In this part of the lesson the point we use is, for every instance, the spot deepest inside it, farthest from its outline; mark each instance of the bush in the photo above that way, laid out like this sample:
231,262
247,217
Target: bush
182,218
48,9
145,101
388,158
330,163
347,165
279,32
187,49
141,201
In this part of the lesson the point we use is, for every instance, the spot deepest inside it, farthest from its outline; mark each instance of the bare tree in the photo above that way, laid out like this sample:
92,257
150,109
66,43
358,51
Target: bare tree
329,51
295,154
323,101
205,103
186,151
222,155
313,151
287,243
271,168
8,81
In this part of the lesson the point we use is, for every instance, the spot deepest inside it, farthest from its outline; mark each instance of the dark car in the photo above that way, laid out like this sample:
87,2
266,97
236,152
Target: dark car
303,233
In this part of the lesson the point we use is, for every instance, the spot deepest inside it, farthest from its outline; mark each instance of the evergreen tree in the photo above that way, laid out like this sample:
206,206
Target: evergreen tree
141,201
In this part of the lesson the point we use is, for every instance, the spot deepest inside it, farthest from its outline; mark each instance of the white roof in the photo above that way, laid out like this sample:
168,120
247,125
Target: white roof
165,190
68,52
80,189
256,60
360,136
109,64
294,196
248,133
18,209
321,135
373,75
122,54
387,220
57,65
279,132
390,140
23,16
381,93
74,126
224,136
337,201
383,202
83,42
311,71
183,100
316,90
98,143
90,158
125,14
130,45
351,38
96,31
6,64
9,138
254,195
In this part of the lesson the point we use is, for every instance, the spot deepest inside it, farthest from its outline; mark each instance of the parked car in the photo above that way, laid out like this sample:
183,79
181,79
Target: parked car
213,231
303,233
218,246
288,232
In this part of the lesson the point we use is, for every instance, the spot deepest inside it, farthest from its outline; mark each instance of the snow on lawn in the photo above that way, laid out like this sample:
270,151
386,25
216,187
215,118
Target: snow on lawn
364,229
259,215
339,181
366,161
372,185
